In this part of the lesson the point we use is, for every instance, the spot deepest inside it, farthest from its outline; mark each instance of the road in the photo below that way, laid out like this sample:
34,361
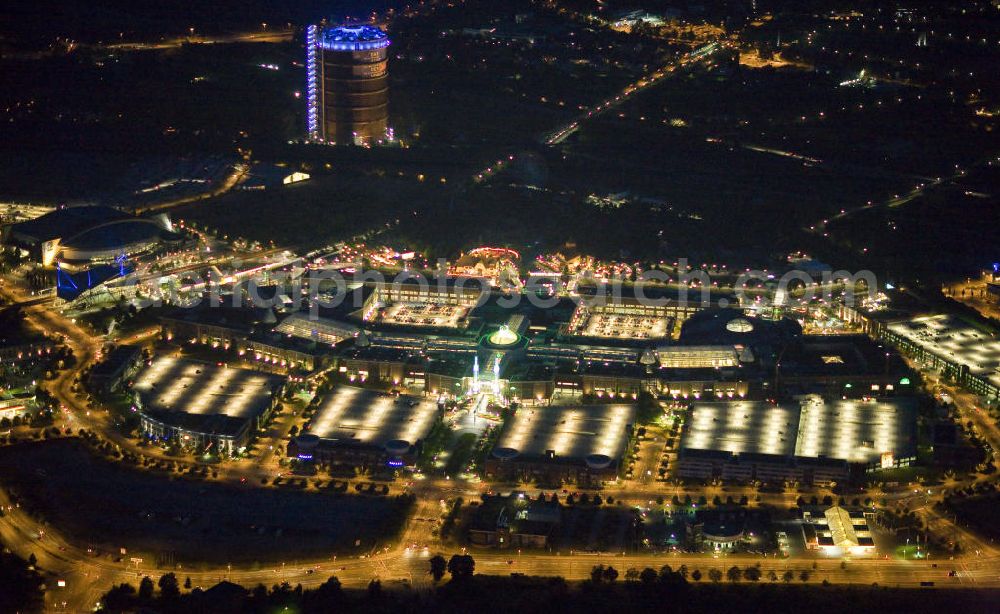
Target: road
559,134
973,292
273,36
899,200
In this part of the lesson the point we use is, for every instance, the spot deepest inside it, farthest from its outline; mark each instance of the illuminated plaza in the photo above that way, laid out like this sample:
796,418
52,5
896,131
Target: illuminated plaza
428,314
621,321
624,327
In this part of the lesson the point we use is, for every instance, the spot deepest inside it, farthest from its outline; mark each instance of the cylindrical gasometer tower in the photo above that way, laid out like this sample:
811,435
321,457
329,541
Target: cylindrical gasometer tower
347,89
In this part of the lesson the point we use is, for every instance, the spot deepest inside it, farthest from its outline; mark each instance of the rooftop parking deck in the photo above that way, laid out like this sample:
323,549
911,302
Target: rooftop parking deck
569,432
358,416
176,385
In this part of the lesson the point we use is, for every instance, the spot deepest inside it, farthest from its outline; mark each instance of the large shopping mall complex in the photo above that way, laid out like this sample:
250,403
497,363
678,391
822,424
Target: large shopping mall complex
577,368
451,340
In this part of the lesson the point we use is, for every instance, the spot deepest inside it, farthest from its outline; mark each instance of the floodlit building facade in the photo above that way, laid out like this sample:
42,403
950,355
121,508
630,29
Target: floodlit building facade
347,91
838,531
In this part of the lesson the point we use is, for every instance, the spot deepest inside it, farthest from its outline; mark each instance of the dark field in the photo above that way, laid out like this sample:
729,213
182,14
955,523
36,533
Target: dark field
108,506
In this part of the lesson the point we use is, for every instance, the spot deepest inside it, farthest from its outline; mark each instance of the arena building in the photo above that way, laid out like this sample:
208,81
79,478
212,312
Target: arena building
366,428
347,88
78,237
202,406
576,444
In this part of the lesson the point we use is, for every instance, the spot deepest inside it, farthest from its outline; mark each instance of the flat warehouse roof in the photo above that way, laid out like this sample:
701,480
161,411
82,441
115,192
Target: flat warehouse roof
951,339
176,385
851,430
742,427
570,432
356,415
857,431
316,329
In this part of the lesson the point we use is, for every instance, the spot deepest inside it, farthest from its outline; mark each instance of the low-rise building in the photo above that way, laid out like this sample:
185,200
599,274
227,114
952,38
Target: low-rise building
119,365
203,407
838,531
17,403
366,428
514,521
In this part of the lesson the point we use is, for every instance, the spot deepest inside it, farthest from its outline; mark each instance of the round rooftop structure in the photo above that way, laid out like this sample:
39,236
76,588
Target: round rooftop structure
353,38
503,336
598,461
397,447
505,454
739,325
731,325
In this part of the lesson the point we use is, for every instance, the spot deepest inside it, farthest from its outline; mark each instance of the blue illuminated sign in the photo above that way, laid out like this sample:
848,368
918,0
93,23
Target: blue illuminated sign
312,91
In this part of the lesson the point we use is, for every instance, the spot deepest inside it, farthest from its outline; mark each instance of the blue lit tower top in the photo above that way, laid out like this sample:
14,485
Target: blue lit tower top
347,84
353,38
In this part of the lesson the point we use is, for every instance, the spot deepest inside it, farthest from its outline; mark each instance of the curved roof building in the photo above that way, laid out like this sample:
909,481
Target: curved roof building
85,235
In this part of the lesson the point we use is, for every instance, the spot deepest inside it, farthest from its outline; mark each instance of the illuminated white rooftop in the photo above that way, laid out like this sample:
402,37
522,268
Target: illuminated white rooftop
953,340
174,384
357,415
742,427
570,432
852,430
